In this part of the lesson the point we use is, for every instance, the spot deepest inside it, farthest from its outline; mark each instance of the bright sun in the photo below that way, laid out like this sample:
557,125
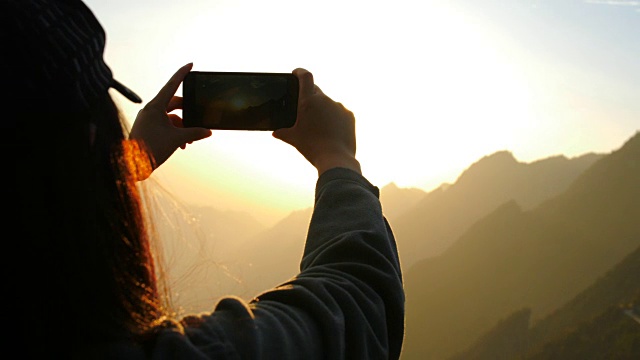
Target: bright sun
432,89
422,100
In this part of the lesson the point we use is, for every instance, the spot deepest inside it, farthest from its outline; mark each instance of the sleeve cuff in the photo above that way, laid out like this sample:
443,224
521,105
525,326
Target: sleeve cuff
339,173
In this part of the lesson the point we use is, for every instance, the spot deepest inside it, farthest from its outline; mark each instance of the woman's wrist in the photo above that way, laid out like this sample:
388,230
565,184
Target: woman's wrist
330,162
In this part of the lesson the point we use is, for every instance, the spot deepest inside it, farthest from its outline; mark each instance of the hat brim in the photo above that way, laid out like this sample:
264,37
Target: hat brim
128,93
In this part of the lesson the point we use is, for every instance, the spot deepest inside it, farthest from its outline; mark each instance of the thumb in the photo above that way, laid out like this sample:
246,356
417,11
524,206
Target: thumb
193,134
284,134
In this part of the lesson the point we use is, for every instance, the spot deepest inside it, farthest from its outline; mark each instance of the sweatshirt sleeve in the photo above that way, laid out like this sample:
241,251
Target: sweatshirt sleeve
347,302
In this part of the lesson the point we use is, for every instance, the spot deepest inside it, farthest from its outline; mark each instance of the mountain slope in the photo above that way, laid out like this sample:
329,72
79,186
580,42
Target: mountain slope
506,341
514,259
271,257
447,212
612,335
618,288
396,201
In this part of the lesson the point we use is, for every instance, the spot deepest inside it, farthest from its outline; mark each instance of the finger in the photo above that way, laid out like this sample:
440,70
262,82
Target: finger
175,103
189,135
305,79
184,146
283,135
277,134
176,120
169,89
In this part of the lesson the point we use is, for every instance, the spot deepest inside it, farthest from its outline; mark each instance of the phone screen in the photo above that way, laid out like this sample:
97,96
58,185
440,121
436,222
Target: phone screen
240,101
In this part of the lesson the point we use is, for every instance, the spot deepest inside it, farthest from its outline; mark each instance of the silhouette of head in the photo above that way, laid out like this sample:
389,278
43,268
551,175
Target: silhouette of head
86,272
56,49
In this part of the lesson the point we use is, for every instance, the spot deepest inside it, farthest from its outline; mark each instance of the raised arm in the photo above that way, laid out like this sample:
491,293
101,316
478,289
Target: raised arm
349,294
347,302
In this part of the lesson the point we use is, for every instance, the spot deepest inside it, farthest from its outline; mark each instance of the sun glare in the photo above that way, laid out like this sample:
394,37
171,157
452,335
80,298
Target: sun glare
433,89
429,89
457,96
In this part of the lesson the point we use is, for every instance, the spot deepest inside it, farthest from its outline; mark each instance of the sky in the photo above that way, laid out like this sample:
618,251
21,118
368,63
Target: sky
434,85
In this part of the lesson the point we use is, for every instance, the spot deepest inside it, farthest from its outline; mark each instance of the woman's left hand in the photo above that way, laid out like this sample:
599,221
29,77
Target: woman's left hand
160,132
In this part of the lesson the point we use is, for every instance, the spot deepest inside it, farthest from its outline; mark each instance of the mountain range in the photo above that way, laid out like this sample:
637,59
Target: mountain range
444,214
417,217
601,322
252,272
515,258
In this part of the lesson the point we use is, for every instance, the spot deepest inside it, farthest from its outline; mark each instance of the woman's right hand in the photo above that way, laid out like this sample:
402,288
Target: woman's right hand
162,132
324,132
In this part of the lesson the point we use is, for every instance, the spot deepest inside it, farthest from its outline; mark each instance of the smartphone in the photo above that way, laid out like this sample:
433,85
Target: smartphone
239,100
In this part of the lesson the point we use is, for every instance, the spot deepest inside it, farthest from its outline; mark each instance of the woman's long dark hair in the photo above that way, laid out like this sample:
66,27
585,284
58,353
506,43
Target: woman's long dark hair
85,273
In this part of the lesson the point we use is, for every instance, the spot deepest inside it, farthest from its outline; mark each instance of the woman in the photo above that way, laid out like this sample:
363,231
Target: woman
87,287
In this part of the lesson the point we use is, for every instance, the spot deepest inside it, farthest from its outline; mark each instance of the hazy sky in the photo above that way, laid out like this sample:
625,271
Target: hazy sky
434,85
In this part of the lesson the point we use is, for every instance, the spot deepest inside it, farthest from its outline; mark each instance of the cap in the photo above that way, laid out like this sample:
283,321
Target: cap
54,51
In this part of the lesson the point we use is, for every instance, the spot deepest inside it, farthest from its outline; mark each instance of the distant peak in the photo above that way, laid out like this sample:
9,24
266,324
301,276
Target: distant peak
497,159
633,142
502,155
496,163
390,186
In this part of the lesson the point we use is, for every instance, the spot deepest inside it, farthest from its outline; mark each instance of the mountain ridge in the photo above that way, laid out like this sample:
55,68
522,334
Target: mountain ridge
514,338
442,215
513,258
